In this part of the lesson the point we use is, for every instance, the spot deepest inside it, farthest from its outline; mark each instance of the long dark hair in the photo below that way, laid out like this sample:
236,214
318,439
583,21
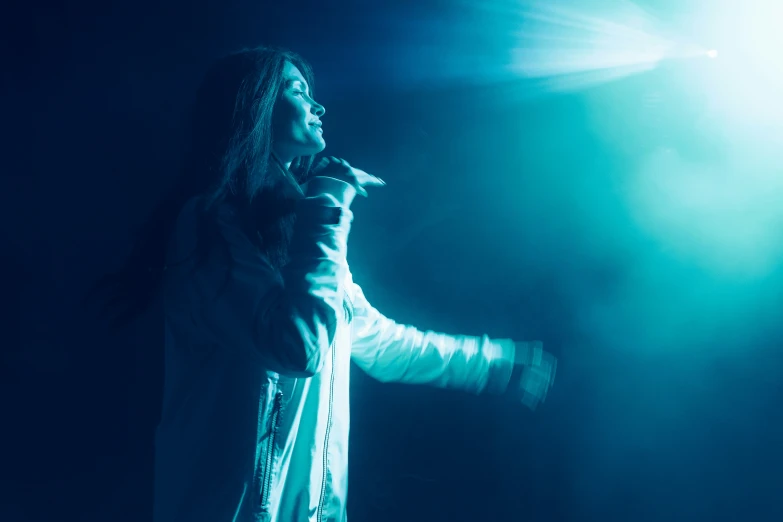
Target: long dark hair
229,160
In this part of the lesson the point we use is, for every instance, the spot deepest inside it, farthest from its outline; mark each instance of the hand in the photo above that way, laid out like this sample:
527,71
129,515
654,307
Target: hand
331,167
537,370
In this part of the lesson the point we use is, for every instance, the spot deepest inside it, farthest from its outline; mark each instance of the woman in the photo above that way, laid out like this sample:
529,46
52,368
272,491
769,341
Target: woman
263,318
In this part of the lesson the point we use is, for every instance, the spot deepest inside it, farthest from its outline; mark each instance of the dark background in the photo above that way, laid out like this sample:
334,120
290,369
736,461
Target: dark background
502,215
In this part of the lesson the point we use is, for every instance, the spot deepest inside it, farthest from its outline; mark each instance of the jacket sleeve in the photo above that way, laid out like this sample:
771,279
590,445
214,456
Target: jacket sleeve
392,352
287,317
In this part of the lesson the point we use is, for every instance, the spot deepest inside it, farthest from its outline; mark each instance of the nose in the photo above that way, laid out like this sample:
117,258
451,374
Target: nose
317,109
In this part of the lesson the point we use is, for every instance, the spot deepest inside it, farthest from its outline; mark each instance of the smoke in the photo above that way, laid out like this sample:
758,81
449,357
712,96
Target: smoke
680,361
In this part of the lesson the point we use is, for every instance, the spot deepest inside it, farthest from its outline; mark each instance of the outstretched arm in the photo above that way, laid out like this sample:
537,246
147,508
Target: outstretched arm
392,352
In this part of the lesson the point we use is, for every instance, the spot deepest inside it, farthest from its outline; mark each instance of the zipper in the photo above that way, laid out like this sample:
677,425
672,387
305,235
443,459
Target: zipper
348,307
326,439
266,481
349,317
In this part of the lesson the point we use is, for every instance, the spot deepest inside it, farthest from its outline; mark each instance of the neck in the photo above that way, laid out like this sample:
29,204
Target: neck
283,162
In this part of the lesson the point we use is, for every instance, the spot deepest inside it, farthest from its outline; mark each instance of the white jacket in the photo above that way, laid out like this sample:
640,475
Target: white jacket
255,414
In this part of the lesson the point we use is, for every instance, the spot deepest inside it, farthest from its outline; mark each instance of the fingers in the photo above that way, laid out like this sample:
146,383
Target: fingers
530,401
366,179
553,372
529,352
337,168
321,164
535,383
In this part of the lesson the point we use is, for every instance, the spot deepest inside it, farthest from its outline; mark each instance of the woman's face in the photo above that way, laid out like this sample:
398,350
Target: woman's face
296,120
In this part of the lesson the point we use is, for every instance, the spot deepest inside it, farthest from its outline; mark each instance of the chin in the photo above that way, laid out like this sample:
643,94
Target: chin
311,148
318,148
